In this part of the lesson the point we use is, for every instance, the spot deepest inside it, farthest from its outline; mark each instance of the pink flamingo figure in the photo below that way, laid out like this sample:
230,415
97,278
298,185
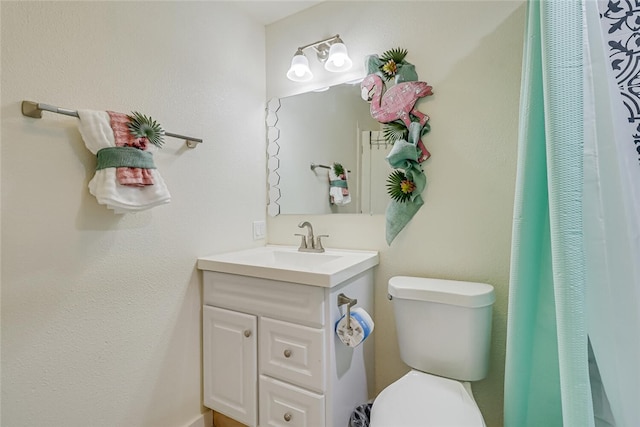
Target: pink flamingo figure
396,103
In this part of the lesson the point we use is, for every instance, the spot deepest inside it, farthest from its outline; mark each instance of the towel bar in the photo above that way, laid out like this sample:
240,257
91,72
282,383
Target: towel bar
314,166
35,109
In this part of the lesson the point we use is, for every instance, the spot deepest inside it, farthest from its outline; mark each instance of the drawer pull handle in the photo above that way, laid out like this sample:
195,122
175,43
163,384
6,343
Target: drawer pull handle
287,354
287,417
247,333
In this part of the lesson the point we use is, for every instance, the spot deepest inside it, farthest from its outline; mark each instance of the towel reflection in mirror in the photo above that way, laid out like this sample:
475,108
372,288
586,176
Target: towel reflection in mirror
338,187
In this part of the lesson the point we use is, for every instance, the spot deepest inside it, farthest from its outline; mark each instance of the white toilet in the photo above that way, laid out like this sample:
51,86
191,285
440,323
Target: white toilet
444,331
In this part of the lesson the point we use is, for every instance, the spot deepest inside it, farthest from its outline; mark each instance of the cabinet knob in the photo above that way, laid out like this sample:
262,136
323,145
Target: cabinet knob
287,353
247,333
287,417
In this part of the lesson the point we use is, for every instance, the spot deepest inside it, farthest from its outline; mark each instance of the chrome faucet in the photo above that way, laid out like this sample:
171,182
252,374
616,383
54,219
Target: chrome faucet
309,243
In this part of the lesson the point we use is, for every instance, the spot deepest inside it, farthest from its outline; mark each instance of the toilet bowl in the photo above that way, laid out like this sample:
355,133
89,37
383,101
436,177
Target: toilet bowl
444,331
419,399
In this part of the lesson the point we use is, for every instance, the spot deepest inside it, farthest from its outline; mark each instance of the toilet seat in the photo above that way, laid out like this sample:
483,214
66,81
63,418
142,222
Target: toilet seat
422,400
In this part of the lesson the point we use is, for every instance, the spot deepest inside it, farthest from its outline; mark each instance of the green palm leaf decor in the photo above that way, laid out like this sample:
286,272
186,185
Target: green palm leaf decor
142,126
399,187
338,169
394,131
396,55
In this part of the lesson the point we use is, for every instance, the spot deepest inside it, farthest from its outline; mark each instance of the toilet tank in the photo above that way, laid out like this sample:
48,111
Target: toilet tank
443,326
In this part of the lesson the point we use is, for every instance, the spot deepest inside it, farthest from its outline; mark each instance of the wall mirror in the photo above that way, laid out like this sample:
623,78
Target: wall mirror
320,128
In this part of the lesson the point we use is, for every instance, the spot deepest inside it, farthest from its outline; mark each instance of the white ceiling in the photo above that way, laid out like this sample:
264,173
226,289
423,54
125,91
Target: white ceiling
268,11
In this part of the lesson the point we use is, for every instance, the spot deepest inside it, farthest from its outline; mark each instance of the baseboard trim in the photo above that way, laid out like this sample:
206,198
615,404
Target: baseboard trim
204,420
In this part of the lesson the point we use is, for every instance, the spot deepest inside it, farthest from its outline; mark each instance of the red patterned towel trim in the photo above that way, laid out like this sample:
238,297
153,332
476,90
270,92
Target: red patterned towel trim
129,176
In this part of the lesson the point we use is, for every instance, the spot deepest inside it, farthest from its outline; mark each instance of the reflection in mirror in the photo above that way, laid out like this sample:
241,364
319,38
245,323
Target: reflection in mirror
322,128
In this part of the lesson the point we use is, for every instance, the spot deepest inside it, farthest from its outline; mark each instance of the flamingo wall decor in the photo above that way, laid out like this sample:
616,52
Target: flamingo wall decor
398,103
404,127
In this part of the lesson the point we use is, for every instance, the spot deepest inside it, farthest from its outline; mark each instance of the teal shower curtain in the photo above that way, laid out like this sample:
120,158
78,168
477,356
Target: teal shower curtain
546,373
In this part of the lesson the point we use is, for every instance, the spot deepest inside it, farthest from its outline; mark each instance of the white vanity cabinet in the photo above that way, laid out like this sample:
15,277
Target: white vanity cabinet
271,355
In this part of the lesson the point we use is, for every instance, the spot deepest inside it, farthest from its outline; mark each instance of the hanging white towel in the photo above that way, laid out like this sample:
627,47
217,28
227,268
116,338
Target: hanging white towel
95,128
338,188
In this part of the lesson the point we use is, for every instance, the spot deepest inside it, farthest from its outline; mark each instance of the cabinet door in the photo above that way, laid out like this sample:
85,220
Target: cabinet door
230,363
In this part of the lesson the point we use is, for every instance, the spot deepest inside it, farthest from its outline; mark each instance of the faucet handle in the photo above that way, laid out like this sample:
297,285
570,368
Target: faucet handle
319,242
303,240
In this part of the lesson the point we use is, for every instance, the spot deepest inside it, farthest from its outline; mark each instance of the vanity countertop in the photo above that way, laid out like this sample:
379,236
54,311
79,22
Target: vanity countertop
286,263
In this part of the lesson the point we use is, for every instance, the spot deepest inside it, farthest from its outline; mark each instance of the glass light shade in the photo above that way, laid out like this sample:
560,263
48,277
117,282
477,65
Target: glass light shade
338,59
299,70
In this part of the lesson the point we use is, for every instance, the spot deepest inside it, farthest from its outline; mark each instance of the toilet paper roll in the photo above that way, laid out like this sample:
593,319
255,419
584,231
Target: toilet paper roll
361,327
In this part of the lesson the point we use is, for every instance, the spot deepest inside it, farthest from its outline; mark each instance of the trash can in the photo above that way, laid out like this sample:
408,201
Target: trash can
360,416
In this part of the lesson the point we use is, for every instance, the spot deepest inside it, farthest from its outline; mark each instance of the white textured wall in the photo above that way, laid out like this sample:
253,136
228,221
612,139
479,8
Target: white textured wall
101,312
470,51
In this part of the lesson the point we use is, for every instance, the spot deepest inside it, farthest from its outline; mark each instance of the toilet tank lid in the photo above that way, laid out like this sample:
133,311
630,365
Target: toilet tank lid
453,292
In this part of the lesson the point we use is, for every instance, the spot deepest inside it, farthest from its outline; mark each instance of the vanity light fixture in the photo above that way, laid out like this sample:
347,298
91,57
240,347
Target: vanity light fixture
332,52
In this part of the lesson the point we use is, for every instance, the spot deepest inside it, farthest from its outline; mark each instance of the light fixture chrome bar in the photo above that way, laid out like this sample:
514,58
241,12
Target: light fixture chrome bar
336,37
35,109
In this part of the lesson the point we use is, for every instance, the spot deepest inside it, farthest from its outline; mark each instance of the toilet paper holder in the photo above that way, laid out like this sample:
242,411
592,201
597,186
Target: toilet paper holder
342,300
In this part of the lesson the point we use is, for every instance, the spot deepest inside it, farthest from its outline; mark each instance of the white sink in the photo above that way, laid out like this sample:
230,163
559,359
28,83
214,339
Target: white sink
286,263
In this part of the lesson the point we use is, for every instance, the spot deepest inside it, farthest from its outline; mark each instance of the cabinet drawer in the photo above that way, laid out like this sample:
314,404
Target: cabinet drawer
292,353
281,300
282,404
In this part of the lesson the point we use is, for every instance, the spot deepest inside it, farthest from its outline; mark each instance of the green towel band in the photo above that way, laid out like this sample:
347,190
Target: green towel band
119,157
338,183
